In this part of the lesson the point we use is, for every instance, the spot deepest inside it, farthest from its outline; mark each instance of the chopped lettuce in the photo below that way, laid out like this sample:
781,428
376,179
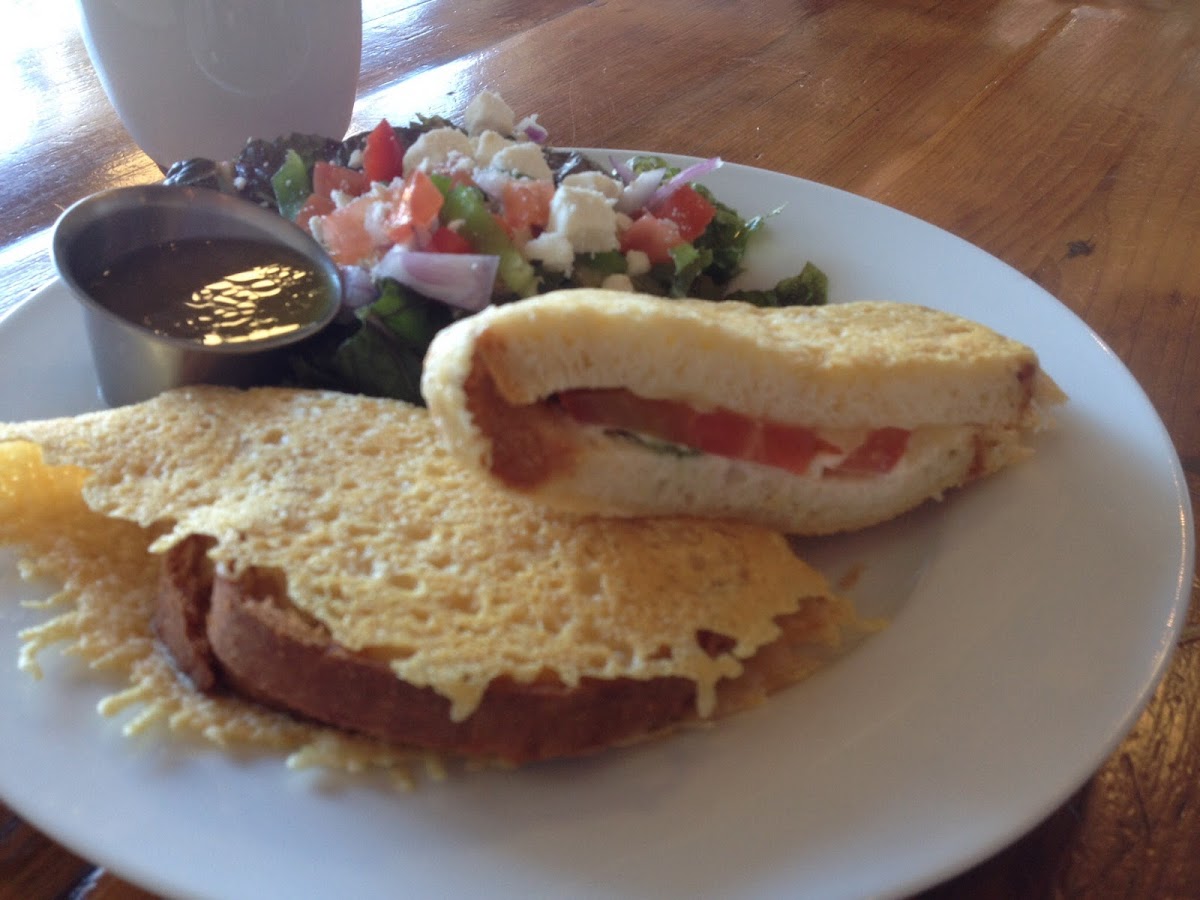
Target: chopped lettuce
640,164
690,263
809,288
611,262
654,445
381,354
705,267
727,237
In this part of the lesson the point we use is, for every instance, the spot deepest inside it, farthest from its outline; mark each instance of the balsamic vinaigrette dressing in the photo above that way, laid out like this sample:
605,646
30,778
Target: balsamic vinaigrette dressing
213,290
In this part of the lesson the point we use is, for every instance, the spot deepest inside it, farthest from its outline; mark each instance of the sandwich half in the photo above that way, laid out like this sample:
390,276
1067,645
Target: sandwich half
812,420
322,554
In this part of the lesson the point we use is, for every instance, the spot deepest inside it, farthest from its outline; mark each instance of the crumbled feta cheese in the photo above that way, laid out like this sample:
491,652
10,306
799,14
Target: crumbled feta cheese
637,262
436,148
523,159
585,217
596,181
488,111
553,250
459,164
491,181
617,282
375,222
487,145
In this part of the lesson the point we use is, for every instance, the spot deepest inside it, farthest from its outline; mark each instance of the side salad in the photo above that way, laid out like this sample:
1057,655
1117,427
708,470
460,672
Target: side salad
434,221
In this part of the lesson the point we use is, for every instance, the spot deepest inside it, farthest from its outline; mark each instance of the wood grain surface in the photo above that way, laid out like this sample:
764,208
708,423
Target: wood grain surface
1064,138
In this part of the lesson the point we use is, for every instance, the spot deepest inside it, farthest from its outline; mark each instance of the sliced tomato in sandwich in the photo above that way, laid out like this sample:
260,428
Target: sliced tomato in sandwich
791,447
876,455
720,432
723,433
624,410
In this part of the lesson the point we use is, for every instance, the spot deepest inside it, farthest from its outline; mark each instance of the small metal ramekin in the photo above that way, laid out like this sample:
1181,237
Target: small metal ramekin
134,363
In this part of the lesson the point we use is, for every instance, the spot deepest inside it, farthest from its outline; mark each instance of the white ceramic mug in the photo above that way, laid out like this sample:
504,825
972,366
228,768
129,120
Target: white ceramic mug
196,78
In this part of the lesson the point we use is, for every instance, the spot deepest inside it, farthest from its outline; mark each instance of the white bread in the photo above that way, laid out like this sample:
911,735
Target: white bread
968,395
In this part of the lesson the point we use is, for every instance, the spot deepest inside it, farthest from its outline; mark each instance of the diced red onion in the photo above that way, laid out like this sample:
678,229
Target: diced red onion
531,129
623,169
691,173
639,192
464,280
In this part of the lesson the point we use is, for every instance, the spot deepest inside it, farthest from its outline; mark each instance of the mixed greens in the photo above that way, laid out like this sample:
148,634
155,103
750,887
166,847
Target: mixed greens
434,221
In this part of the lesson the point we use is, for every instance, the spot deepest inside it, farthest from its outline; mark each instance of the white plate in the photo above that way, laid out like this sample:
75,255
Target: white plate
1032,616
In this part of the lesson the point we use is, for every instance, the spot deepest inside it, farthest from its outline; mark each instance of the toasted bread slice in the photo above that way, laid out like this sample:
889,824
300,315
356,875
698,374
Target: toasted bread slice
811,420
255,643
362,577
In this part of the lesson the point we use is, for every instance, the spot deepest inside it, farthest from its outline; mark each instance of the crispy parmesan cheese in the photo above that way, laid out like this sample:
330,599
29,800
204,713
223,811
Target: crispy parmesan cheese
101,615
402,553
42,512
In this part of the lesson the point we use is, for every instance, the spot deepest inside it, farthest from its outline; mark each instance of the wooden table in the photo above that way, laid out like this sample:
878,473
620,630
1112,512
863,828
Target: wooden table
1064,138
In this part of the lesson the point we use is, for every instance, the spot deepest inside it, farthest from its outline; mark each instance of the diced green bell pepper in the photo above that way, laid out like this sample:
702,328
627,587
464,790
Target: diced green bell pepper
466,204
291,184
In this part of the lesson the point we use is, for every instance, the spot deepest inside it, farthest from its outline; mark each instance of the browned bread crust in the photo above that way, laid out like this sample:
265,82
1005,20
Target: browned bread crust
184,586
244,636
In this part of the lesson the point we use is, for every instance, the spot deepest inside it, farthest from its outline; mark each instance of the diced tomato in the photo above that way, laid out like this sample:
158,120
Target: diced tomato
327,178
345,235
688,209
408,205
400,232
653,236
877,455
315,205
790,447
420,202
383,153
418,206
447,240
526,203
